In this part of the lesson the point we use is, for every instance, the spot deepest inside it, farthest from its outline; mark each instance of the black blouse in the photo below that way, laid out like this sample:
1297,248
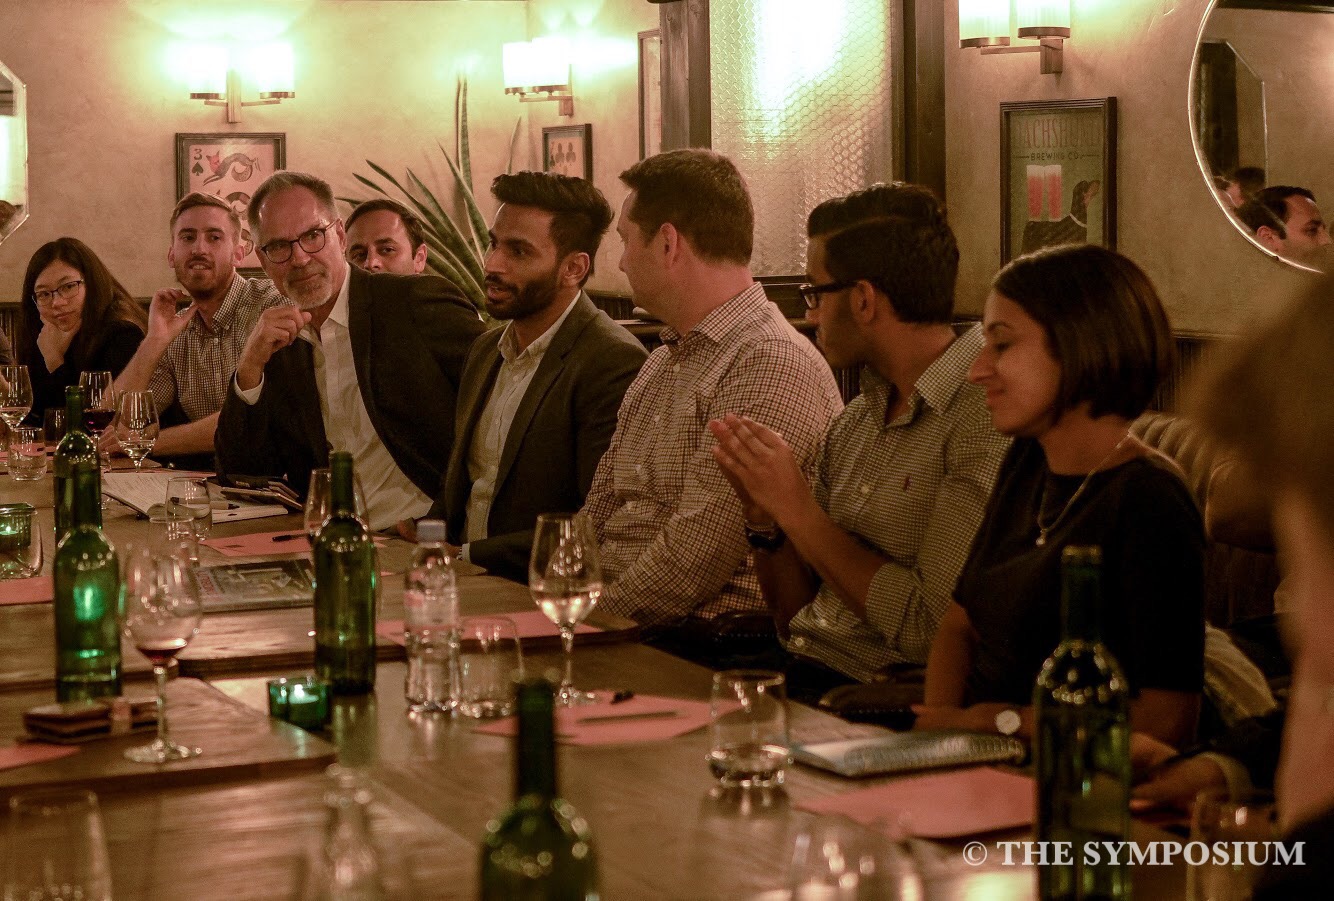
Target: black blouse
118,343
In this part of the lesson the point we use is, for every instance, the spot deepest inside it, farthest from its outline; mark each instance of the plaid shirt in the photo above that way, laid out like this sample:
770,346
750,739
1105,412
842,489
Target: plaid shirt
915,490
198,365
668,523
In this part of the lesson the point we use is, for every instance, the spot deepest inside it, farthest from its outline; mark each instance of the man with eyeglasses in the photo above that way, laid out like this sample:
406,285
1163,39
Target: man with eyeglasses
859,569
188,356
360,362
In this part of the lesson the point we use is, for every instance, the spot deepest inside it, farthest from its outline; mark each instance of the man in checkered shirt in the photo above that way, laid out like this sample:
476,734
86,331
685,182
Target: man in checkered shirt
859,570
188,357
668,525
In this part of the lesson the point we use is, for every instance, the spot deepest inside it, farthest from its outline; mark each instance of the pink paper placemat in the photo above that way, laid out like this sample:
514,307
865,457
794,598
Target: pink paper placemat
262,544
24,754
26,591
662,718
940,805
527,623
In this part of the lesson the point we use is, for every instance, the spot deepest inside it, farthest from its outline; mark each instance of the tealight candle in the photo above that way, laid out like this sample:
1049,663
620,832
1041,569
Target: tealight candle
302,701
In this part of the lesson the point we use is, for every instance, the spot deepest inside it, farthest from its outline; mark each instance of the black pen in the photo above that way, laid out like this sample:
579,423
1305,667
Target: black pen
292,537
622,695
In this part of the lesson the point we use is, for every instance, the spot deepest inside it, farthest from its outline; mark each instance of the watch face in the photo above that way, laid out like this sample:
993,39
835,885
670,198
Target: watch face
1008,722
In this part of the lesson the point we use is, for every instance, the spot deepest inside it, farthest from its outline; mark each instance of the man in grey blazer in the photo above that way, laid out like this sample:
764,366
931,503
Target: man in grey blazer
538,399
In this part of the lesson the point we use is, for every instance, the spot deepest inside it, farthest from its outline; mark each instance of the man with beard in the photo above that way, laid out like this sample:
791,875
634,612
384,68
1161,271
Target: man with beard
364,363
187,358
538,400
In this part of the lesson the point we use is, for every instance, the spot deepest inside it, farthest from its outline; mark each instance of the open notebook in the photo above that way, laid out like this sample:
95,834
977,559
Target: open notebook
904,752
142,491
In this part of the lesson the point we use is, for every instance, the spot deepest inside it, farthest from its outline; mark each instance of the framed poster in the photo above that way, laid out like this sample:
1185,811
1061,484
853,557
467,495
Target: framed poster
650,93
1058,174
230,166
568,150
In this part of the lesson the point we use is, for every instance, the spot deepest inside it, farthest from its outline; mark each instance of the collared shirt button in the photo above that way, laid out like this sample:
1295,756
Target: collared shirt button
799,641
865,489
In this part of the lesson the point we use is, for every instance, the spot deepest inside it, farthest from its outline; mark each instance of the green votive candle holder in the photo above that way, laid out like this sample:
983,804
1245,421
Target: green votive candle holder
302,701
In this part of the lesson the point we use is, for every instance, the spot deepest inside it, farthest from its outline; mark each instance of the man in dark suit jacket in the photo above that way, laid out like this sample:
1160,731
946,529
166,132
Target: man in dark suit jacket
538,401
365,363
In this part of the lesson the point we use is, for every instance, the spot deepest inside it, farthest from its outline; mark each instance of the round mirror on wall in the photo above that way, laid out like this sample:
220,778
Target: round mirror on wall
1262,121
13,152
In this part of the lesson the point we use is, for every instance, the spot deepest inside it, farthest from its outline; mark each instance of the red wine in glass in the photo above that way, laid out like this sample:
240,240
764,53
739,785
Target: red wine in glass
97,421
160,652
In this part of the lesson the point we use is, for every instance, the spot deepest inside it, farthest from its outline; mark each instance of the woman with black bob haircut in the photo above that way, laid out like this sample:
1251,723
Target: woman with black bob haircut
74,317
1076,344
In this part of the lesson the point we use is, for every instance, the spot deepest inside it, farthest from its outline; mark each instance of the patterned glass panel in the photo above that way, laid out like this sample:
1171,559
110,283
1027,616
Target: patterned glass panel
801,101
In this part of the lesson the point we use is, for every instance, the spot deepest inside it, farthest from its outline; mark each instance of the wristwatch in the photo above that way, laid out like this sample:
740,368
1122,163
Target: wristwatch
1008,722
765,538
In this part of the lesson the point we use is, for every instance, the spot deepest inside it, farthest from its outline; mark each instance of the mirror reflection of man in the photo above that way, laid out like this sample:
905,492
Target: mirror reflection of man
1286,221
385,236
187,357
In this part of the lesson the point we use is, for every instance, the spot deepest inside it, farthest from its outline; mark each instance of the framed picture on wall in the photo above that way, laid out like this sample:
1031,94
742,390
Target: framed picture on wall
1058,174
568,150
650,93
230,166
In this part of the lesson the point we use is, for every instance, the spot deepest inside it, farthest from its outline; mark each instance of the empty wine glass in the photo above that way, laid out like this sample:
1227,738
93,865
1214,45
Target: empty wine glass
99,404
317,502
15,394
192,494
162,614
136,425
565,579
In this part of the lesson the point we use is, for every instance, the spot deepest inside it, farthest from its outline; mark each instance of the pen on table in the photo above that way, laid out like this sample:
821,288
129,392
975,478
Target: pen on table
293,537
623,695
627,717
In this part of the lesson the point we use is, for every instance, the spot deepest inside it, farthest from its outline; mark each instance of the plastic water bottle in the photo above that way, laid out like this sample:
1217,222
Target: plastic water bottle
431,623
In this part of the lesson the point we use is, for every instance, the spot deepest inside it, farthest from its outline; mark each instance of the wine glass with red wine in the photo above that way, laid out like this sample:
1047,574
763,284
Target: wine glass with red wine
99,404
162,614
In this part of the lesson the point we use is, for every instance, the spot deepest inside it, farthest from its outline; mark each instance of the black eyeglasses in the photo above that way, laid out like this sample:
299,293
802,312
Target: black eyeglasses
280,250
810,294
67,291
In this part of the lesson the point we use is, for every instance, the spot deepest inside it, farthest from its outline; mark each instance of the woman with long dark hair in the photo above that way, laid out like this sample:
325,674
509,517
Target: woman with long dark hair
74,317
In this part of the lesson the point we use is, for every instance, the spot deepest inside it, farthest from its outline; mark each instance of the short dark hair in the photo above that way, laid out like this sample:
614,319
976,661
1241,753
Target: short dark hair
880,201
198,199
105,299
1104,323
1249,178
411,224
702,194
580,214
282,181
1269,206
1266,398
913,263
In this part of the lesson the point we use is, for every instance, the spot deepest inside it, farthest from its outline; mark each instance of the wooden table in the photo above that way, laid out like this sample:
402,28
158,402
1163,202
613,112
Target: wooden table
661,830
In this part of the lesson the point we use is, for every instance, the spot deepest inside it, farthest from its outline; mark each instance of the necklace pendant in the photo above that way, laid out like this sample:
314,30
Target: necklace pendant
1042,539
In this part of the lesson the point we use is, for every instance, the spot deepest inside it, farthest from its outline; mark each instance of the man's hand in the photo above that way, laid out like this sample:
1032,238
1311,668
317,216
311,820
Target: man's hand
760,467
1165,780
277,327
164,323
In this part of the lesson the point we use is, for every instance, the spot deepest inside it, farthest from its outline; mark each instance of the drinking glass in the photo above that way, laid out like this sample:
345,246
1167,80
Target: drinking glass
136,425
1218,818
20,542
193,495
565,579
836,858
490,660
99,404
27,453
15,394
54,425
162,614
56,847
748,729
317,502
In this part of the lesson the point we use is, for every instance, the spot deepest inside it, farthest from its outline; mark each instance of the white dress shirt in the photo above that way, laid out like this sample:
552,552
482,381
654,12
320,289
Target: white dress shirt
390,495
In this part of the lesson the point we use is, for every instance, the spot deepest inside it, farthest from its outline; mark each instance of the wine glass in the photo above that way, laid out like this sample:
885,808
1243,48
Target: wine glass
565,579
99,405
136,425
56,847
317,509
162,613
15,394
192,494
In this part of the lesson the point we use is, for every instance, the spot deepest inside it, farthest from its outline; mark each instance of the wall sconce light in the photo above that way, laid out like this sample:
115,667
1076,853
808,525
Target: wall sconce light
217,75
987,24
539,70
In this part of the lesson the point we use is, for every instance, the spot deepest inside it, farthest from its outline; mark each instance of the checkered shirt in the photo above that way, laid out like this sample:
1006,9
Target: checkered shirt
915,490
198,365
669,525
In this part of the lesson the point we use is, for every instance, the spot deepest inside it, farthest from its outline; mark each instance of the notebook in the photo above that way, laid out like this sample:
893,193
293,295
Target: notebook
268,585
904,752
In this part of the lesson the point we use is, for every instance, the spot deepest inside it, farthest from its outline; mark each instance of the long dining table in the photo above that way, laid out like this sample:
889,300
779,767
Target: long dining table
245,818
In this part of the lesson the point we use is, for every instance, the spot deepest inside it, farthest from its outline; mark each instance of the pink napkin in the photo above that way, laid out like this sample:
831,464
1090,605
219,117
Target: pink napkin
586,726
940,805
26,591
263,544
24,754
528,624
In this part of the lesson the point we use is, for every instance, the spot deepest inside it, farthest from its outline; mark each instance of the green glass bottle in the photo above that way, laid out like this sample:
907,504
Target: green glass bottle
346,585
87,598
540,849
76,447
1081,744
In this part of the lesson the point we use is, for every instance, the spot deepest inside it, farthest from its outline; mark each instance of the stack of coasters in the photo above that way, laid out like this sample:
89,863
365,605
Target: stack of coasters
72,722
